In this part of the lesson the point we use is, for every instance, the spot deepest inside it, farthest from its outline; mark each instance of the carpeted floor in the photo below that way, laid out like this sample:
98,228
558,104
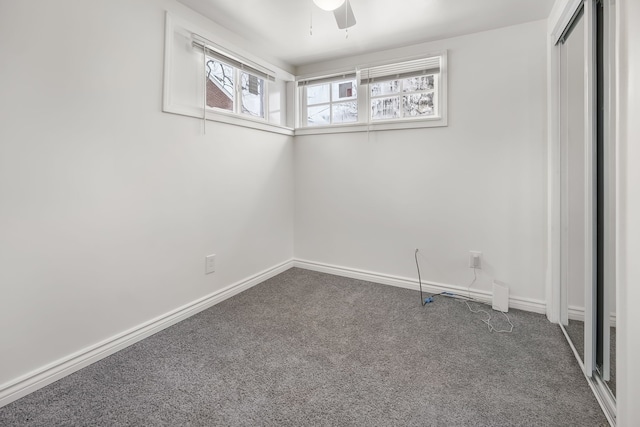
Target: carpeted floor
307,348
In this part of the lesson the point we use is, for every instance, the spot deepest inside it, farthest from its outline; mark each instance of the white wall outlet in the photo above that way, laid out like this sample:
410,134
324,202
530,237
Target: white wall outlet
210,264
475,259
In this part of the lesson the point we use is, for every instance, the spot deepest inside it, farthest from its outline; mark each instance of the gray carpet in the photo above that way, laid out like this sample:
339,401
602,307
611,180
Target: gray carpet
307,348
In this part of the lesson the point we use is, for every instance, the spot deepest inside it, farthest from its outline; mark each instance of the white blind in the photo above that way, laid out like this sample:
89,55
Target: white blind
326,79
400,70
241,64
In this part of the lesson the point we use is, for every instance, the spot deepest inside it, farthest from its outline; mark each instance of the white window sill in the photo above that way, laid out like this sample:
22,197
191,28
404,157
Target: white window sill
258,124
230,118
247,121
374,126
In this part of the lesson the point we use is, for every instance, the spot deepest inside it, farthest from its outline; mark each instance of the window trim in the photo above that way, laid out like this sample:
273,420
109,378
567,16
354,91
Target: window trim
369,127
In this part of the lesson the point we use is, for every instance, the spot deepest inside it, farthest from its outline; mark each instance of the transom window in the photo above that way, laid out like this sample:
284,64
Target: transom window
403,91
222,82
403,98
406,90
234,85
330,101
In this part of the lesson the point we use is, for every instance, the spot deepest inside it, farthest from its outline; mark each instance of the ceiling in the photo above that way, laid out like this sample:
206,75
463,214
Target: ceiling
280,28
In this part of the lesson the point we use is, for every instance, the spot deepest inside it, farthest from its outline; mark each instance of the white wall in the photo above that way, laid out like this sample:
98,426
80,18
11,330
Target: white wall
107,205
367,201
628,233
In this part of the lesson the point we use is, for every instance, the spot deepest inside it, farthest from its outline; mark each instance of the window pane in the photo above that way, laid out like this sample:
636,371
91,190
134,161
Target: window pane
385,88
220,93
385,108
344,90
345,112
317,94
318,116
418,105
252,95
415,84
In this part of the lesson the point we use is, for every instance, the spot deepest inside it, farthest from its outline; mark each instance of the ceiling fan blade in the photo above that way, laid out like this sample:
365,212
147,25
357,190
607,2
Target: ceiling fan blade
344,16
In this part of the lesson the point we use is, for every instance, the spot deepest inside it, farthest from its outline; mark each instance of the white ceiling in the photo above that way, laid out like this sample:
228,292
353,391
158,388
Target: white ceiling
280,28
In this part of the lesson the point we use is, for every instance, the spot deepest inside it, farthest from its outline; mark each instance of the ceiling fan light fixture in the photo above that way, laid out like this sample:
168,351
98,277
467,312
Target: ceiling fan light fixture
329,4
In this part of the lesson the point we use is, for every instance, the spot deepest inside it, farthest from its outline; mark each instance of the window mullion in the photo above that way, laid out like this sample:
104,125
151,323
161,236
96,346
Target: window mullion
436,94
265,100
401,94
330,103
363,102
238,91
305,108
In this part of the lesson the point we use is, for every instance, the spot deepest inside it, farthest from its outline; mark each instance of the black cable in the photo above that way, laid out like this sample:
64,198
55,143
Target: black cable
423,301
446,294
419,278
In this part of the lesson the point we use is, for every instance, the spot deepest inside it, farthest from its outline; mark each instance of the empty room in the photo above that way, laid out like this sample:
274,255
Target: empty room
319,212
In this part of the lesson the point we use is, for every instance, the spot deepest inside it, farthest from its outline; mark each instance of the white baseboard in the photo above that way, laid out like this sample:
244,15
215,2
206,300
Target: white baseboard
577,313
45,375
527,304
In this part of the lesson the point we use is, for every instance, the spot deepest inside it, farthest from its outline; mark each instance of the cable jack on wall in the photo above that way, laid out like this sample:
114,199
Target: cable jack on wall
474,263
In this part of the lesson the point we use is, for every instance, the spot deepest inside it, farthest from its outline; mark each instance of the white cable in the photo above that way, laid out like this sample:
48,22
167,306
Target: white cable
475,277
487,321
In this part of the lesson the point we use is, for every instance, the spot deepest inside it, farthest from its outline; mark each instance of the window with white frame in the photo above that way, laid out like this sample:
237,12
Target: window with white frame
329,101
211,79
410,93
233,85
406,90
220,81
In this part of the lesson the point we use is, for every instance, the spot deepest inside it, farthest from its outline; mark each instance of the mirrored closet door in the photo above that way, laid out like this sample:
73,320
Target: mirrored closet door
587,193
606,190
572,123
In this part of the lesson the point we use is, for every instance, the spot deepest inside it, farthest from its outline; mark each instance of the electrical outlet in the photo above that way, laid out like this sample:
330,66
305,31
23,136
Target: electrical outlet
475,259
210,264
